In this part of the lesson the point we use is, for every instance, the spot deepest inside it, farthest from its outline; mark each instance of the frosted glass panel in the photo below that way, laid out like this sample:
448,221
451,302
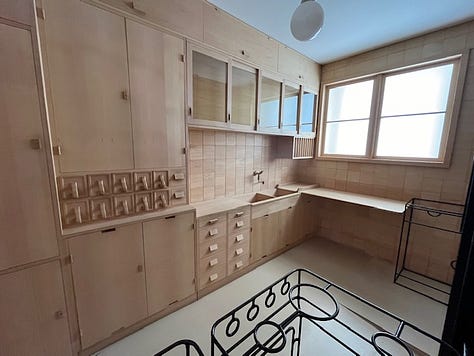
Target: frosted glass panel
423,91
270,103
346,138
209,88
410,136
244,96
350,102
307,108
290,108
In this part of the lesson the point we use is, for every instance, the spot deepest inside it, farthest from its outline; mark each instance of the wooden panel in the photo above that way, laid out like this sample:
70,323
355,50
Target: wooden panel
288,228
211,247
33,317
109,281
184,17
210,220
20,11
212,263
26,216
274,206
264,236
157,91
87,55
227,33
298,67
169,260
212,231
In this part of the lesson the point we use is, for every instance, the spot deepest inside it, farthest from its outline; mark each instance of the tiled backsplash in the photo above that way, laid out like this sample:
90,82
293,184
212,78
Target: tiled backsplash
222,164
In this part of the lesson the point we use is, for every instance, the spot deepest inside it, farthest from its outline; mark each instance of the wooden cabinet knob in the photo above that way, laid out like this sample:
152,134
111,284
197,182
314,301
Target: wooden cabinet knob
212,221
59,315
239,238
213,277
239,251
213,232
213,262
239,214
239,264
213,248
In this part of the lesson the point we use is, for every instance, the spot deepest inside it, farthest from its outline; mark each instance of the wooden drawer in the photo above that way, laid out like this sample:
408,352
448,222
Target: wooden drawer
240,249
212,263
160,179
177,177
212,232
101,208
178,196
143,202
238,237
75,212
122,183
239,213
236,264
210,220
72,187
161,199
143,181
124,205
212,276
99,184
212,247
239,224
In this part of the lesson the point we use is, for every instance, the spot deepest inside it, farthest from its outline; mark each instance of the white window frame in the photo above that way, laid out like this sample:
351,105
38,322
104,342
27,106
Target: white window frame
460,63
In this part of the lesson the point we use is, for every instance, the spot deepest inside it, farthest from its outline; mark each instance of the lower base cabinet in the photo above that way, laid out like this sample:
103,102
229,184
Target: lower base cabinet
109,281
264,238
169,260
33,318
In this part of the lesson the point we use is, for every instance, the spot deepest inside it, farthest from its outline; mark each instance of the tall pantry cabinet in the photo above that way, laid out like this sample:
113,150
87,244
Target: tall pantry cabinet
32,306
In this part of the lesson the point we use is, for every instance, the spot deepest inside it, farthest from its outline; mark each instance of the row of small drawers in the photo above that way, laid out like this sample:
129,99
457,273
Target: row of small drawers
103,184
83,211
223,245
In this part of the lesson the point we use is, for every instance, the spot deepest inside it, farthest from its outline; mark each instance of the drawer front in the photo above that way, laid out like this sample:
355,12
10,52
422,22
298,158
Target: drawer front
212,247
177,177
239,213
101,208
212,263
75,212
239,224
72,187
212,232
237,264
178,196
239,249
160,179
143,181
99,184
122,183
238,238
124,205
143,202
210,220
161,199
212,276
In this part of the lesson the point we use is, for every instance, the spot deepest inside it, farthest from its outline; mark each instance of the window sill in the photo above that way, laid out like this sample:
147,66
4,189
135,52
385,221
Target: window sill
394,161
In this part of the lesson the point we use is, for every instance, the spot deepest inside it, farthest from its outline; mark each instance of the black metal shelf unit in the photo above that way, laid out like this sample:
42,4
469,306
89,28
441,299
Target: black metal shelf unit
304,314
439,218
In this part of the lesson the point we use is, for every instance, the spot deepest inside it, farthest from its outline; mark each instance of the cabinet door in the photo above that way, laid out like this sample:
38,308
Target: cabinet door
291,107
288,228
87,63
306,217
169,260
157,96
244,96
27,230
264,238
308,112
33,317
270,105
109,281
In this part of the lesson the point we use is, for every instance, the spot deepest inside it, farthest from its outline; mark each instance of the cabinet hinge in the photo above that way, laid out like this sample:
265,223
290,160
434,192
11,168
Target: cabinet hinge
251,229
193,227
57,150
68,260
40,13
184,150
183,58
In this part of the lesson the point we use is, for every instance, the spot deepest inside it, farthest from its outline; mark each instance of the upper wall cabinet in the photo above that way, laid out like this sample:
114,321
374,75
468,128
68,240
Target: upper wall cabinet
297,67
184,17
243,96
87,64
156,62
309,105
270,103
238,39
291,108
27,228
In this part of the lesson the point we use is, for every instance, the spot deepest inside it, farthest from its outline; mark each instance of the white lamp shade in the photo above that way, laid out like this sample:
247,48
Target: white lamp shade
307,20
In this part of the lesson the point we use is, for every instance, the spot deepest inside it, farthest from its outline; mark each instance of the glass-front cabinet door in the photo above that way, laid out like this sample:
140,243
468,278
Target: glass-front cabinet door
208,98
270,104
309,101
243,96
290,108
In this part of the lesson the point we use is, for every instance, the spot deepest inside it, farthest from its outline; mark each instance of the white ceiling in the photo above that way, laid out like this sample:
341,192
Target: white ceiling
351,26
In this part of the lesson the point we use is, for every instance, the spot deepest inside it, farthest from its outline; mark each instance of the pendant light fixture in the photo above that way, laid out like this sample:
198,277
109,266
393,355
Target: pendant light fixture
307,20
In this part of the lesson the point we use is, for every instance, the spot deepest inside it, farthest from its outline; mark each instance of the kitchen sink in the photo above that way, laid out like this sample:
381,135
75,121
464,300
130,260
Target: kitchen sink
257,197
279,192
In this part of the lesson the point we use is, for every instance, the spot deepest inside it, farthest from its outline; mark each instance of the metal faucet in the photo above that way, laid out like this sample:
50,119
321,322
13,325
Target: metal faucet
258,173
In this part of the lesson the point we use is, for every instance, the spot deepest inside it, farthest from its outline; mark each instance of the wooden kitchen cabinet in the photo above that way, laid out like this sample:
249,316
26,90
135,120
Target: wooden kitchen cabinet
109,281
288,227
156,66
33,318
270,103
169,260
264,239
27,228
86,53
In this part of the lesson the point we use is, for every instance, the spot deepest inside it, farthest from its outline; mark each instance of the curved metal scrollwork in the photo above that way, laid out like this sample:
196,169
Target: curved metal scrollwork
232,326
253,311
270,299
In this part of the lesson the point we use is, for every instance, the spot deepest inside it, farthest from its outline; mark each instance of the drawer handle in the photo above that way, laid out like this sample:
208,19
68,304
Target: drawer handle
103,211
239,251
213,277
213,232
239,264
123,182
78,215
162,181
178,176
179,195
239,214
213,262
239,238
213,247
101,185
144,182
164,203
125,207
145,203
212,221
239,223
75,190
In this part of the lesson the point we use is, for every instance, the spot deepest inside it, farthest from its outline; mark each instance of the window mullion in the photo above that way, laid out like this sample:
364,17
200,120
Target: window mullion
375,111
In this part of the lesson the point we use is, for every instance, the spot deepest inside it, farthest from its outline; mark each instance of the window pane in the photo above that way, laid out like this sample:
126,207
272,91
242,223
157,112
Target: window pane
290,108
307,108
422,91
306,128
244,96
209,87
346,138
270,103
410,136
350,102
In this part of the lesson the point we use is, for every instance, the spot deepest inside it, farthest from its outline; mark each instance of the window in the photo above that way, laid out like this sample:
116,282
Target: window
403,115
